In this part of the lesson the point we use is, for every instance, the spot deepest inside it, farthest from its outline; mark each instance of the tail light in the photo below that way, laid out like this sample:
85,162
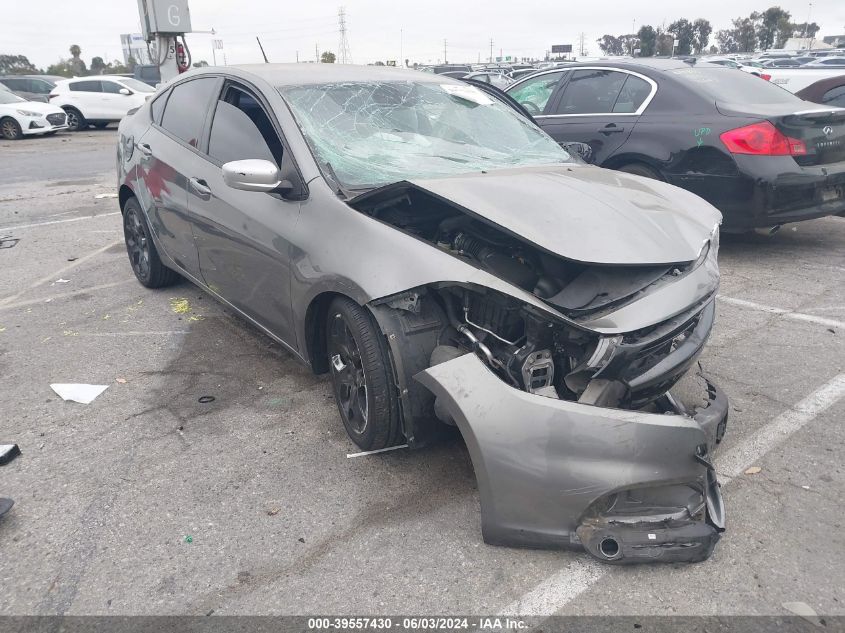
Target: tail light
765,76
762,139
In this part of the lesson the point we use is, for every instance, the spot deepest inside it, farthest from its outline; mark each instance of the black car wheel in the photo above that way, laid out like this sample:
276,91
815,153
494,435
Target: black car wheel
143,256
10,129
75,120
360,369
639,169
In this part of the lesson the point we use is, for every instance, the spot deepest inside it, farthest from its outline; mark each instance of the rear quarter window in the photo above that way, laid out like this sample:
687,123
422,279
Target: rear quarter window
726,85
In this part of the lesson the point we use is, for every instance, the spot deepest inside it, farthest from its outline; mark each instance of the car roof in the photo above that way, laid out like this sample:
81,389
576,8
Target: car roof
311,74
641,63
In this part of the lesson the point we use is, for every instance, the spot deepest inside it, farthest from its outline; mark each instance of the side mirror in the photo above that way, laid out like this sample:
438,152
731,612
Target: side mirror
125,91
581,150
254,174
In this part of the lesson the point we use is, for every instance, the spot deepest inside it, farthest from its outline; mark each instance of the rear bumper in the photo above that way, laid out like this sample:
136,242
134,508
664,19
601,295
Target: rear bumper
770,190
555,473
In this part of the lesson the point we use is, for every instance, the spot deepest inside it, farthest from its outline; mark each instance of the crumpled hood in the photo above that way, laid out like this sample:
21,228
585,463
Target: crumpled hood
585,213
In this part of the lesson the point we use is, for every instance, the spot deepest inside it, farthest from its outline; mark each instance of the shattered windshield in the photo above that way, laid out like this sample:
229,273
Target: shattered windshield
367,134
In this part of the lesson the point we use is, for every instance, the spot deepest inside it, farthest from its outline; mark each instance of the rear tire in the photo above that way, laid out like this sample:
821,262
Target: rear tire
639,169
143,256
75,121
10,129
361,374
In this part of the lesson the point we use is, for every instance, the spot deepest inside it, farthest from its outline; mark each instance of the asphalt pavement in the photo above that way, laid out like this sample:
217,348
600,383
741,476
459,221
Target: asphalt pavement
148,501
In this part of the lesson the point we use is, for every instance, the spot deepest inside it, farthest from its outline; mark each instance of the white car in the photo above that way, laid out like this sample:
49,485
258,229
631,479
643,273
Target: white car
19,117
99,100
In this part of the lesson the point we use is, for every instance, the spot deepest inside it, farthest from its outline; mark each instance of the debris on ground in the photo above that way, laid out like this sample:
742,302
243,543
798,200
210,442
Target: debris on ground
273,512
5,505
381,450
804,610
8,452
101,196
62,281
121,381
753,470
77,392
189,539
180,306
206,399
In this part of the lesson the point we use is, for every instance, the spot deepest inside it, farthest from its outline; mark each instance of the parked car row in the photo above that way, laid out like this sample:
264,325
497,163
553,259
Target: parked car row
79,103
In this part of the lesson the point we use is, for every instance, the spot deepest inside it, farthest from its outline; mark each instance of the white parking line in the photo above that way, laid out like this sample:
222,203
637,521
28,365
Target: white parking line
556,591
60,272
787,314
65,295
732,462
6,229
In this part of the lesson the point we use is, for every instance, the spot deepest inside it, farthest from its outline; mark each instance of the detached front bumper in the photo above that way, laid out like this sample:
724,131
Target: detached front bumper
625,485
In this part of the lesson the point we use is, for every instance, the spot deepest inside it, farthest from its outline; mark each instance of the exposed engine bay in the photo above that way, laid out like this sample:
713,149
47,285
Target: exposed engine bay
573,287
524,346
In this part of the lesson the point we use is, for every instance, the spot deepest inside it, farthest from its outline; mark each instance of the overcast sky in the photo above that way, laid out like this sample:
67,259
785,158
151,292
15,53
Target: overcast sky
376,29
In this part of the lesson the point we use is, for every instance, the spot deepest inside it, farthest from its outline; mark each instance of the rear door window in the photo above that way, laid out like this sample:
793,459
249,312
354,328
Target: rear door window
534,93
241,130
184,114
86,86
592,91
724,85
835,97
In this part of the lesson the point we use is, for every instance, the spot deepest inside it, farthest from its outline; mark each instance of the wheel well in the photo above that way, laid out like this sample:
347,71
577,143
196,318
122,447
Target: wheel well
315,331
123,195
621,162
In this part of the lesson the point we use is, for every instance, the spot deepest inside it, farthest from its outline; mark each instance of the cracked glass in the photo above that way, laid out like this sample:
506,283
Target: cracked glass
368,134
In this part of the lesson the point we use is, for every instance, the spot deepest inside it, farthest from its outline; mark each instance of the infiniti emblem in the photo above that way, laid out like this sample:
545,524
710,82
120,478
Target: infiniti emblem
828,130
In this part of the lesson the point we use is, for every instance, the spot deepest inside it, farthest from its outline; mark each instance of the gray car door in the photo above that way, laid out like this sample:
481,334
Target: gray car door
597,106
168,149
241,236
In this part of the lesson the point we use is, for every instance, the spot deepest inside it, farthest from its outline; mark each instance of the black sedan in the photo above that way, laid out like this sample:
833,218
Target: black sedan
761,155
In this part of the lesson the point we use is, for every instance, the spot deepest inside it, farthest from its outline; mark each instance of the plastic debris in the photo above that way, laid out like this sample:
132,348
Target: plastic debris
804,610
753,470
189,539
121,381
101,196
75,392
381,450
8,452
206,399
62,281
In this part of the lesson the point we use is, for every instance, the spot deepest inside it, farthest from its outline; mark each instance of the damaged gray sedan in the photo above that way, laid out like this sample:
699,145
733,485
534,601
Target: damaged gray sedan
447,263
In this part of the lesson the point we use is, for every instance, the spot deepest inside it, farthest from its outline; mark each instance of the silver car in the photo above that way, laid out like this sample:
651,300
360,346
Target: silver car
447,263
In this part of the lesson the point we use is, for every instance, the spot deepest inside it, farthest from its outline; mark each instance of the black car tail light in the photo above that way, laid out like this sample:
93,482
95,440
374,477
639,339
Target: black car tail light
762,139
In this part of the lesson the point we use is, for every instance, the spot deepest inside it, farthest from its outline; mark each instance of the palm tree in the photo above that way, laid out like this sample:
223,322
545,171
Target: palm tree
75,51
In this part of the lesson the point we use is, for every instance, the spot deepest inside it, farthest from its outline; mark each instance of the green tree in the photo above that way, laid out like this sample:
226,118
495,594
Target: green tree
772,22
745,33
327,57
648,40
16,65
77,66
664,42
683,31
611,45
98,66
802,29
701,34
61,68
727,41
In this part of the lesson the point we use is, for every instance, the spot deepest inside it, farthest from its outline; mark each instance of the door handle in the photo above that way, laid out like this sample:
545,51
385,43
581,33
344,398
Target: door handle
200,186
146,150
611,128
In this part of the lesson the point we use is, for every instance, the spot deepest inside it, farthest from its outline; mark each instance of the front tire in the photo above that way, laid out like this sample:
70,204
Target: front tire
361,376
143,256
10,129
75,121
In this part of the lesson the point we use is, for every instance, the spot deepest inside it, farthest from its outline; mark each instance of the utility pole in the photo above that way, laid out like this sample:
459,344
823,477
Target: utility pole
581,47
317,52
444,51
491,50
344,56
401,53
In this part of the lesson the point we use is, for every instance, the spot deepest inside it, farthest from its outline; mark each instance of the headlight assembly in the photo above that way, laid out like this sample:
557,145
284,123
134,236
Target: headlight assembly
29,113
